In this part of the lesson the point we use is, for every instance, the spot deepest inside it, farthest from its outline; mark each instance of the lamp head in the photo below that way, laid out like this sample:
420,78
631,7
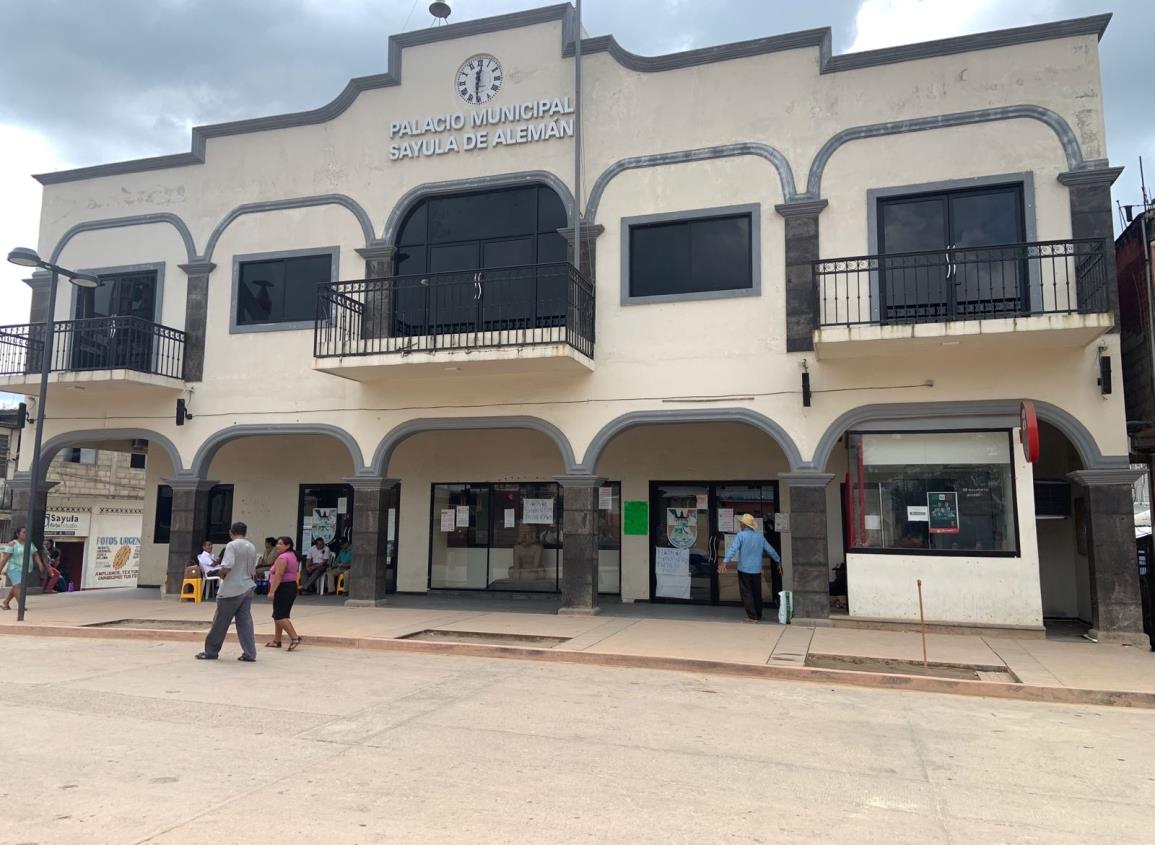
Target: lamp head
84,280
25,257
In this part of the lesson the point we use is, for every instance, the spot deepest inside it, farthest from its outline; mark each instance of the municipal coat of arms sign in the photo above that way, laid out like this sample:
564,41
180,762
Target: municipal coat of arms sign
682,527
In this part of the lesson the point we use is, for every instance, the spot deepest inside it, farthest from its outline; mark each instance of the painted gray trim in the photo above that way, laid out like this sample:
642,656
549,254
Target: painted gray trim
281,205
749,148
186,482
1099,477
1025,179
1097,176
755,212
672,417
806,479
1056,122
369,482
976,421
961,414
334,253
119,222
377,253
213,443
580,481
801,208
156,267
474,183
99,435
807,38
384,452
198,268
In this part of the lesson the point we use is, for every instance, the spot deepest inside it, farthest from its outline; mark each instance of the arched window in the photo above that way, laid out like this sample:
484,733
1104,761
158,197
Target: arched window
482,261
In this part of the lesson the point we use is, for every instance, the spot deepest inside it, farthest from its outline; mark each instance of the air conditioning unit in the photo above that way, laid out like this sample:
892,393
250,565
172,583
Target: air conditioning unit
139,447
1052,499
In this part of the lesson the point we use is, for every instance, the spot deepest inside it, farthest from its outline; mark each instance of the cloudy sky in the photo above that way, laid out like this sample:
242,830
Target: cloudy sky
86,83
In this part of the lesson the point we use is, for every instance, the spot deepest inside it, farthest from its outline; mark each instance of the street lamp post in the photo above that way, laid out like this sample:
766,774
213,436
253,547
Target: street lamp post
29,258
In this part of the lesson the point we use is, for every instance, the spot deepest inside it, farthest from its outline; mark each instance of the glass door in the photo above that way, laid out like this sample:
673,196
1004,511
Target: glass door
110,343
760,500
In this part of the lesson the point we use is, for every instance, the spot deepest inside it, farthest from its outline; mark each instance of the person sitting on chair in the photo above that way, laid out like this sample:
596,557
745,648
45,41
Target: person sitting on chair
317,560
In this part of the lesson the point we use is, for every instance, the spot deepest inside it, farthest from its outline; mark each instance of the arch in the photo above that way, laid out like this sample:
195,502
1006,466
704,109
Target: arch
209,448
384,453
99,435
1053,120
748,148
282,205
1071,428
474,183
635,418
135,220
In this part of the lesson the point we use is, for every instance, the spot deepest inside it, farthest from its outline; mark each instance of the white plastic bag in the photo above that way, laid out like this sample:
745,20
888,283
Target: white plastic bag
785,607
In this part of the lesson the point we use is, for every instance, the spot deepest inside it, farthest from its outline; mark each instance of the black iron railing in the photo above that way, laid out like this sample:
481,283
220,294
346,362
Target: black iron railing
973,283
99,343
471,309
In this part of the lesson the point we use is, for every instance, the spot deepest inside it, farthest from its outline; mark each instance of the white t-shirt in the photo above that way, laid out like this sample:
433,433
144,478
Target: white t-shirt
205,559
318,556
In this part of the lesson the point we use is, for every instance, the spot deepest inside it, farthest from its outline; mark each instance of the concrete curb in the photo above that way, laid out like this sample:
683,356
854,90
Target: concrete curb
841,677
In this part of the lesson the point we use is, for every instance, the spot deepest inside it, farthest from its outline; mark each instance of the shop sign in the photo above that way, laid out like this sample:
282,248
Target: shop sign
58,524
943,512
1029,431
682,527
636,518
115,562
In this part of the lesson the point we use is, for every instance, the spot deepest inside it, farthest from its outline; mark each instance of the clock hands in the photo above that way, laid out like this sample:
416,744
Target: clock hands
477,82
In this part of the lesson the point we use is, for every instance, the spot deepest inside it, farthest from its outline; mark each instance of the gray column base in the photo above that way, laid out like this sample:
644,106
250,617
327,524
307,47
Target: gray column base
811,622
579,611
1131,638
365,602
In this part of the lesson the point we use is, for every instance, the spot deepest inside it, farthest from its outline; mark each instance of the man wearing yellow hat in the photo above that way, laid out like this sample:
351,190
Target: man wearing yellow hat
748,546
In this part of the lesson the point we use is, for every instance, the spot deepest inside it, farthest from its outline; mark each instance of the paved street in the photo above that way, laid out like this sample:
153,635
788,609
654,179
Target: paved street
127,742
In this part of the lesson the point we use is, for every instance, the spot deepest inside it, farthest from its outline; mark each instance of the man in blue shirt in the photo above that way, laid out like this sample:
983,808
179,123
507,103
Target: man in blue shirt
748,547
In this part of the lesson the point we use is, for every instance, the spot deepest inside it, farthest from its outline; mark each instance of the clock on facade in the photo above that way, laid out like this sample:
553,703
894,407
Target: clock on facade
479,79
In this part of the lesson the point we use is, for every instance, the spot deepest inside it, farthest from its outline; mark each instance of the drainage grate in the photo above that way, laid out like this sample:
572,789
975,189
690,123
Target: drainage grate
156,624
434,635
955,672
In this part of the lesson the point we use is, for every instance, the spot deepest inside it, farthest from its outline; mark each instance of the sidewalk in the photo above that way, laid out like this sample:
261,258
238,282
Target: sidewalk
641,635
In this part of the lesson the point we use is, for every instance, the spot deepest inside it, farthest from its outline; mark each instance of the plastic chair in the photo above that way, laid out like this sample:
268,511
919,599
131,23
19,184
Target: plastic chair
190,590
340,586
207,579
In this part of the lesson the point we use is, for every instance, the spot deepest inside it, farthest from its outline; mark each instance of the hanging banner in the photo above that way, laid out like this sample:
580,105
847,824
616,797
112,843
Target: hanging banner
672,573
682,527
943,516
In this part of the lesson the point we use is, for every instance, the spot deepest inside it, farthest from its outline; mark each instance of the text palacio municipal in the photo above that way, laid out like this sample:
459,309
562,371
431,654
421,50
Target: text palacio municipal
540,120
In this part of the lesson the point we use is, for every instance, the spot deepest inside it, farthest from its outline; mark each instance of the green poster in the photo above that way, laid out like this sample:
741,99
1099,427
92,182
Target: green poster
636,518
943,512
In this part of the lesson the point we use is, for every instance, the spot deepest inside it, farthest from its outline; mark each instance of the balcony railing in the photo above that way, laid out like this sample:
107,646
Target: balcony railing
972,283
99,343
471,309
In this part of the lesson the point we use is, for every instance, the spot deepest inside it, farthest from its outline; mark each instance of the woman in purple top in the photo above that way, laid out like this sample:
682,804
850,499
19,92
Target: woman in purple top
283,592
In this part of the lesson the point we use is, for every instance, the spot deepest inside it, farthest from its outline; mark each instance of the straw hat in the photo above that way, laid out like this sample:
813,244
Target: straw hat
748,520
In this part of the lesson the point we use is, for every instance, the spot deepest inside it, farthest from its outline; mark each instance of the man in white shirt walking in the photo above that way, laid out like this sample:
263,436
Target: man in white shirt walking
235,597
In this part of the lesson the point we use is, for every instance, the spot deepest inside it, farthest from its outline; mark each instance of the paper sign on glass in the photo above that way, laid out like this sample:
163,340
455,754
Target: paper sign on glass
636,517
873,522
510,518
537,511
447,519
605,498
942,513
917,513
726,520
463,516
672,573
392,525
703,502
342,506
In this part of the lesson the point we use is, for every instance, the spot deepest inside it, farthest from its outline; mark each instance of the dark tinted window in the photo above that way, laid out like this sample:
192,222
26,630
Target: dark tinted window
220,513
691,256
282,290
163,523
137,460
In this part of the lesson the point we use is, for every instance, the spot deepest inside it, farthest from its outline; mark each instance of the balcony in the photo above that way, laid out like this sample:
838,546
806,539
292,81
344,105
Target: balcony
505,320
121,354
1043,295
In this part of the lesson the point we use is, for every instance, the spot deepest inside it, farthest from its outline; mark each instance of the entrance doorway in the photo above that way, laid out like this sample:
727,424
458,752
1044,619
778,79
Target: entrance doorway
691,523
100,340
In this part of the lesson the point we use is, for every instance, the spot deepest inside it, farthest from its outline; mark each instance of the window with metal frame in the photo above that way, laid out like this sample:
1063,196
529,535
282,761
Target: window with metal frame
704,255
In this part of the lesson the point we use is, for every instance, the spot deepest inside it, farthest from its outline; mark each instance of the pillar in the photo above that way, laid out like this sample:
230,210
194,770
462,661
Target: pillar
376,319
809,555
1092,216
190,514
590,233
368,579
579,555
196,318
1116,607
21,487
801,251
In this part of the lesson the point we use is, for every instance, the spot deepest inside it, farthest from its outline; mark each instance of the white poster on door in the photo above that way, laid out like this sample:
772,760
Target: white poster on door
510,518
342,506
605,498
726,520
537,511
462,516
672,573
703,501
447,520
392,523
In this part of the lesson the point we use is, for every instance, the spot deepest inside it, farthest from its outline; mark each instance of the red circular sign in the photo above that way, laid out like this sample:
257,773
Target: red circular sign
1029,431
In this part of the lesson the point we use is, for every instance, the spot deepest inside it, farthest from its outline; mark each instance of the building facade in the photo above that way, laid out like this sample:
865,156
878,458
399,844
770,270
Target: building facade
815,288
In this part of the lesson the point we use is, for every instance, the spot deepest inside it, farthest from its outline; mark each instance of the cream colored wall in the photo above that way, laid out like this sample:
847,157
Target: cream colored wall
153,556
979,590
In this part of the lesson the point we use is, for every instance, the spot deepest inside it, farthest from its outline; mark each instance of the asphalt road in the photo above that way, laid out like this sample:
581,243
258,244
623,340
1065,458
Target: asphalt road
126,742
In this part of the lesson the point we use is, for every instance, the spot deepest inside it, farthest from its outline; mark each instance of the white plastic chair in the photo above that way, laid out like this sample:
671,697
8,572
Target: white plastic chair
205,587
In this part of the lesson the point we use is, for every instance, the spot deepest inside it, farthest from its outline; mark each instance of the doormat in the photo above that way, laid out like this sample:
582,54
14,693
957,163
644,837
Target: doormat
433,635
954,672
155,624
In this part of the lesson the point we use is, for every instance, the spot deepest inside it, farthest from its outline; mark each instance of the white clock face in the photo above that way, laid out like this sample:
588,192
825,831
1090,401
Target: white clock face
479,79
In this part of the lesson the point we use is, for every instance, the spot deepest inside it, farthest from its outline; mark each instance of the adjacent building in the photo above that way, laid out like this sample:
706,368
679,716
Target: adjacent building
865,298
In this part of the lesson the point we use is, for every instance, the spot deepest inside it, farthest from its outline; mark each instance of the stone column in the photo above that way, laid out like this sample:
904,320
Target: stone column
37,315
809,556
376,319
190,513
579,583
1116,607
590,234
368,578
21,487
196,318
801,252
1092,216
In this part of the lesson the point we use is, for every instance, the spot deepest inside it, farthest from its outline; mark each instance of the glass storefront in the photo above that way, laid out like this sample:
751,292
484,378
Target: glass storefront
940,492
507,537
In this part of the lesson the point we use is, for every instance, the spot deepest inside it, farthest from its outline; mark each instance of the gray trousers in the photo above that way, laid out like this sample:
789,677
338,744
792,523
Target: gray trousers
240,608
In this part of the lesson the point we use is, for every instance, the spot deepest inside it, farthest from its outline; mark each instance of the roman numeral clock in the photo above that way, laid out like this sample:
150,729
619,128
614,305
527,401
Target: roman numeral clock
479,79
